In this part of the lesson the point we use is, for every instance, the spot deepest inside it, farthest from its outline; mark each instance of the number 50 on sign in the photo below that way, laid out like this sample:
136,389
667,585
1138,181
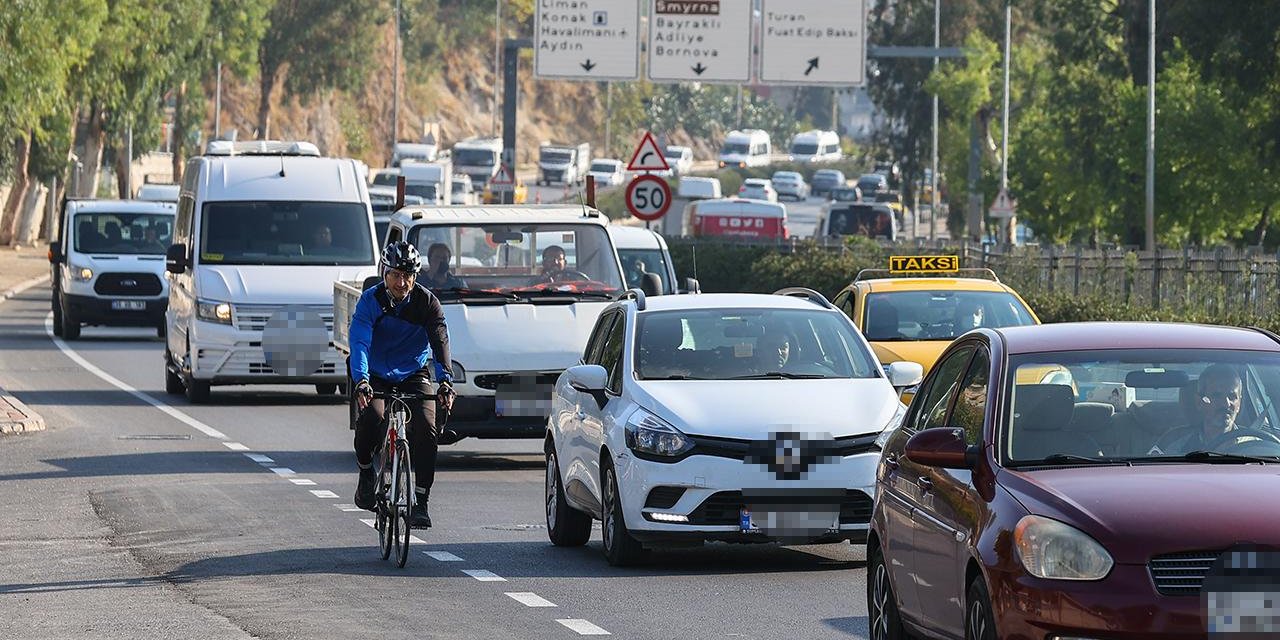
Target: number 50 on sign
648,197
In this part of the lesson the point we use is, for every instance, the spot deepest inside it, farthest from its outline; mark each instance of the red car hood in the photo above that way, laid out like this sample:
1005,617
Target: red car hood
1147,510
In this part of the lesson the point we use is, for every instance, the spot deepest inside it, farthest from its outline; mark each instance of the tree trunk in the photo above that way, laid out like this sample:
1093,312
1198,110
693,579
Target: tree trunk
179,133
1260,231
9,219
94,142
123,188
267,81
49,219
28,230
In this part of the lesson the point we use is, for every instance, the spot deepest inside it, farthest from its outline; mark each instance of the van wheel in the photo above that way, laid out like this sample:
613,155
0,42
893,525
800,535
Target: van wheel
327,389
57,315
197,391
161,329
172,381
70,325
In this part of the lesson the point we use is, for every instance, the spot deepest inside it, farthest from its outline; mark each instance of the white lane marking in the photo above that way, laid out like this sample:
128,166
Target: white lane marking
258,458
235,446
583,627
323,493
353,509
282,471
443,556
369,521
484,575
22,286
115,382
303,482
530,599
417,540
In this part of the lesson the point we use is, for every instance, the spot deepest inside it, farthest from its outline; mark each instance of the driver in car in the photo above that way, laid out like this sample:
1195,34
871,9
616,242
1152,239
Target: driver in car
1217,404
554,266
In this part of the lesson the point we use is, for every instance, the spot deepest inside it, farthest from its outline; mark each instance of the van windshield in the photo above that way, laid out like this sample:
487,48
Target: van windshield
736,147
558,156
425,191
475,157
516,258
123,233
804,148
285,232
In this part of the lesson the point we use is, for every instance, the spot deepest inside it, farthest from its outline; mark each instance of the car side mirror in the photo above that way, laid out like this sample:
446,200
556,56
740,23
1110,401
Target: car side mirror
55,253
590,379
691,285
904,374
651,284
175,259
942,447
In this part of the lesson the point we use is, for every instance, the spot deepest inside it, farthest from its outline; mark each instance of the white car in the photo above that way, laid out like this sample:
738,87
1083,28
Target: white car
757,189
608,173
790,183
680,159
688,421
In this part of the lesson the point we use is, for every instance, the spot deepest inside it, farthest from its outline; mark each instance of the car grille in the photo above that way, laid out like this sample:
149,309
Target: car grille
738,449
128,284
249,362
724,507
254,317
492,381
1181,574
663,497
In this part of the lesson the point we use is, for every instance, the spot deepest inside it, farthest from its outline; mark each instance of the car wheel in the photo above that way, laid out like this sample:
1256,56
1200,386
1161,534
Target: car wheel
172,381
883,619
70,325
161,330
566,526
327,389
979,623
619,547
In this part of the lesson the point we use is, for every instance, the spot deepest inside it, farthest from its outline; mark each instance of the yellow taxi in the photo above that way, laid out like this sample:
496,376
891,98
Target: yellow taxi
915,308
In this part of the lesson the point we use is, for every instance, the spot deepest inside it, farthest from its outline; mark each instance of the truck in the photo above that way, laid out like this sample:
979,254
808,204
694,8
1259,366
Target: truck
562,163
403,152
479,158
431,181
512,330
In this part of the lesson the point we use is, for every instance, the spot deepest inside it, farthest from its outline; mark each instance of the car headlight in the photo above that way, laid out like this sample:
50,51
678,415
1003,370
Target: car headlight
81,273
214,311
649,435
1055,551
891,425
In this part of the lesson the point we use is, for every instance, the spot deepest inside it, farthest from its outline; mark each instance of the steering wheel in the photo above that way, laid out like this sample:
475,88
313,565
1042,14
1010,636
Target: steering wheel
569,275
1232,438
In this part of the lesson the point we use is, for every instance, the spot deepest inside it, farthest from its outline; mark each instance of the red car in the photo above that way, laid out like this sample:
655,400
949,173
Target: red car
1092,480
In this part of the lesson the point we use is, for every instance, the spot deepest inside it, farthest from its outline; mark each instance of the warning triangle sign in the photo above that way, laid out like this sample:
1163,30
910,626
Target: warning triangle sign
648,157
503,177
1004,206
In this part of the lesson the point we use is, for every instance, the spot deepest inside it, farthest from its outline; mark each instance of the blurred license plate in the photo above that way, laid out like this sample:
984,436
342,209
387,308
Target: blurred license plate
523,398
129,305
1244,612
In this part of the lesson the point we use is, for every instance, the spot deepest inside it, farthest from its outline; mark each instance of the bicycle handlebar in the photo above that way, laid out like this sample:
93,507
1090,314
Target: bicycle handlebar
401,395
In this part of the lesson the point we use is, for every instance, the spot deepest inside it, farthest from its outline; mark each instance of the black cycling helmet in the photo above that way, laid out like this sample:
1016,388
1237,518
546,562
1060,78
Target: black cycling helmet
401,255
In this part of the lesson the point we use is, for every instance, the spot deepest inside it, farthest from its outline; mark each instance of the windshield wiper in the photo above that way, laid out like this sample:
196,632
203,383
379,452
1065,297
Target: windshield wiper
1071,458
1218,456
774,375
475,293
674,377
555,292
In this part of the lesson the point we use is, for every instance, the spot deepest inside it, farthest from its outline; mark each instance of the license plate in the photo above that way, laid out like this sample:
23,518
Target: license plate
523,399
129,305
1243,612
811,523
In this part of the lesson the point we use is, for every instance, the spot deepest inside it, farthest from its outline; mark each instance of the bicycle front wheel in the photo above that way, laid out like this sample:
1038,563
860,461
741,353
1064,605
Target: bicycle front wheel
385,509
403,502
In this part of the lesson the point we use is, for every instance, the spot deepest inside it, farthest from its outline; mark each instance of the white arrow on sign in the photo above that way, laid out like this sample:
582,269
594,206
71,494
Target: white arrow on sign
648,157
699,41
805,42
580,40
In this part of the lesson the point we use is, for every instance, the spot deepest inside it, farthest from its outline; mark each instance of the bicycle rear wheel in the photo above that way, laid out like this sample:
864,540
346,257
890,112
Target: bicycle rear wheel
385,515
403,503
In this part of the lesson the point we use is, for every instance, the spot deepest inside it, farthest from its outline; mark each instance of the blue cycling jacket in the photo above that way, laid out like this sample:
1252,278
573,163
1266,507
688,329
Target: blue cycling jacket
393,341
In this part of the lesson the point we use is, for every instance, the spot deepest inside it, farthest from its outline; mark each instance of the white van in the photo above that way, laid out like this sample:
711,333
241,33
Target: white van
698,188
431,181
412,151
816,146
262,232
158,192
479,158
642,251
108,265
747,148
737,217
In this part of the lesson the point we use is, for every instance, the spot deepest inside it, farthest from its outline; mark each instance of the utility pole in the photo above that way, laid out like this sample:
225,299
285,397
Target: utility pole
128,162
608,118
1004,121
217,106
497,74
738,123
395,84
1151,127
933,176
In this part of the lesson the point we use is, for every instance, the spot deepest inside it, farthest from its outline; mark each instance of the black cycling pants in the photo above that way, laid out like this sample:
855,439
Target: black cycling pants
371,429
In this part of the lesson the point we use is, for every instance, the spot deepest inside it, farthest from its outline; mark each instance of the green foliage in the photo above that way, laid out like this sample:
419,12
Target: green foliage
327,44
709,111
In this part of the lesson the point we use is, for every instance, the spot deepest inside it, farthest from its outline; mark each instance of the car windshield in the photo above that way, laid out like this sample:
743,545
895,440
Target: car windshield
735,147
123,233
386,178
604,167
828,175
475,157
425,191
673,153
739,344
285,232
518,259
804,148
1142,405
458,186
939,314
860,220
637,262
844,194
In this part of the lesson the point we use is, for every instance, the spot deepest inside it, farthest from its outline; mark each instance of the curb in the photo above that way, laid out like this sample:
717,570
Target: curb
16,418
23,286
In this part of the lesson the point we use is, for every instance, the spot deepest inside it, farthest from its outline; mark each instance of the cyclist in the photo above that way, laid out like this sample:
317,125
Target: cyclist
399,325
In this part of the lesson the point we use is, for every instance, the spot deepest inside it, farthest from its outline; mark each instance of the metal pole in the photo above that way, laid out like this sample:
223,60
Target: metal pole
395,83
1151,128
738,123
608,118
128,163
217,106
1004,120
497,75
933,177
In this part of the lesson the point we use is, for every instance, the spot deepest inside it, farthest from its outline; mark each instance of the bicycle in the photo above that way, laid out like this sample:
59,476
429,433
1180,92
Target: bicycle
395,486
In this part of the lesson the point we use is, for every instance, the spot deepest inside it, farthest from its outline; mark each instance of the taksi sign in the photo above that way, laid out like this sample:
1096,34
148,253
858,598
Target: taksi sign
813,42
587,39
924,264
699,41
648,197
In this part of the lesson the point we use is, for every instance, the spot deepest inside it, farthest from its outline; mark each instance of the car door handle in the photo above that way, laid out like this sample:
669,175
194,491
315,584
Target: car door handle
925,484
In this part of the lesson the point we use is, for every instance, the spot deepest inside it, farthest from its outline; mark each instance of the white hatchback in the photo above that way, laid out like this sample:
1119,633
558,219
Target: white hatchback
731,417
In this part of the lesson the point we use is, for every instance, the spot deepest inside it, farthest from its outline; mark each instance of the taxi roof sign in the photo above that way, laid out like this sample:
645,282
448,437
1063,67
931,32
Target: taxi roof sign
924,264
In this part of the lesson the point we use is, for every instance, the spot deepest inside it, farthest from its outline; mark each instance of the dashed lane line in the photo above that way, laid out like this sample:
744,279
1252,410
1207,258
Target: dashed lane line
530,599
443,556
484,575
583,627
283,471
259,458
303,482
235,446
324,493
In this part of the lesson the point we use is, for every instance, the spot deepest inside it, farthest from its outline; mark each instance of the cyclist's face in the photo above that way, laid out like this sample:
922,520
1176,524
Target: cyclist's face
399,282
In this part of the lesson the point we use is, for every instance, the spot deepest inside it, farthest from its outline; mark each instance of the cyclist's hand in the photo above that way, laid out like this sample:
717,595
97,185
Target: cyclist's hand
364,394
445,395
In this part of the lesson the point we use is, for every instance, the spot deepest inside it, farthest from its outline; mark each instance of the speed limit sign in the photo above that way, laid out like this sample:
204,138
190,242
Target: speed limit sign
648,197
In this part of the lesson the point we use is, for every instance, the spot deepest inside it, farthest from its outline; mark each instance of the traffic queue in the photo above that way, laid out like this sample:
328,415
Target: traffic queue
1008,479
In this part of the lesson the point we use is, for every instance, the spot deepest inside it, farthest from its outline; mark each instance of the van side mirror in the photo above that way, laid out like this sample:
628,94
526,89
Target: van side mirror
55,253
691,285
175,259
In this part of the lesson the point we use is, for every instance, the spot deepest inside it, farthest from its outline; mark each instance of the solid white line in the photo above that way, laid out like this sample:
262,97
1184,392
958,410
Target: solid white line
258,458
323,493
443,556
353,509
235,446
282,471
583,627
484,575
529,599
115,382
303,482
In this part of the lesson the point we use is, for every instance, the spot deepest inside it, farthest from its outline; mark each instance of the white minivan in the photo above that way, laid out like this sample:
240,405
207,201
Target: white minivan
816,146
263,230
108,265
747,148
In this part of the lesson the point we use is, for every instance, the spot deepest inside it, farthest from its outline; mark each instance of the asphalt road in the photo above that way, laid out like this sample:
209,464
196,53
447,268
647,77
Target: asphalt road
136,515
